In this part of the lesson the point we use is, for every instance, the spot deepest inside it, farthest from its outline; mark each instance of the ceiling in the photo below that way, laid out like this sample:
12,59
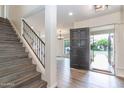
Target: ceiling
80,13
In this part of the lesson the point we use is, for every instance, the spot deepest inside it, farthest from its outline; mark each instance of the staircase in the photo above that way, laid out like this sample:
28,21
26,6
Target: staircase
16,68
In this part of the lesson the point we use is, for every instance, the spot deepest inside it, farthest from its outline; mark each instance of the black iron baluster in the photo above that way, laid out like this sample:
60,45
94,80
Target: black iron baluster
36,44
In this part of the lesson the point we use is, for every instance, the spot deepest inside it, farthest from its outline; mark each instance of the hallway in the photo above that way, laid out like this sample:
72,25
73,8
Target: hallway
73,78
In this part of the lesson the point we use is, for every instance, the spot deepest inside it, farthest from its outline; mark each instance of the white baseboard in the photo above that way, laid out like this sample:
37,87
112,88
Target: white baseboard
120,72
53,86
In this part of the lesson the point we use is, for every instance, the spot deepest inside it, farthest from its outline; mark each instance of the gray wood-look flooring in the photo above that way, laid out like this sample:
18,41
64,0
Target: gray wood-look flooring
73,78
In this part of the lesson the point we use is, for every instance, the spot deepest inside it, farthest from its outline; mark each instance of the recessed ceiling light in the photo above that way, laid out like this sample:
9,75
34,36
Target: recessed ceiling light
70,13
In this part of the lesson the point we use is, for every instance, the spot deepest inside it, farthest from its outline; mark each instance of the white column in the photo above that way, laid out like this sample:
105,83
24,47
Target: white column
50,45
119,47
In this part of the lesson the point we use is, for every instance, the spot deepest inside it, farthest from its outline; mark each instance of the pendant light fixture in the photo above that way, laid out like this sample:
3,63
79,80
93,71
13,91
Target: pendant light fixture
100,7
60,37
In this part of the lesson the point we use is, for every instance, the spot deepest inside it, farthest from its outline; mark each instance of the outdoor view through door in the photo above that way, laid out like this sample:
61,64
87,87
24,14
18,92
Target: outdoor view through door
67,47
102,52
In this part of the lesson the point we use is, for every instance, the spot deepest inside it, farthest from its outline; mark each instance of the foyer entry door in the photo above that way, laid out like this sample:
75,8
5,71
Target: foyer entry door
79,48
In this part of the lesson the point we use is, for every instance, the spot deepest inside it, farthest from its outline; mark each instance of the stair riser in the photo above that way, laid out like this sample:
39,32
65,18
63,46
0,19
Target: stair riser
18,62
28,81
13,55
5,49
14,64
4,22
19,56
34,85
3,19
7,30
11,51
12,70
44,86
6,61
5,25
8,35
9,39
9,47
13,59
19,74
10,42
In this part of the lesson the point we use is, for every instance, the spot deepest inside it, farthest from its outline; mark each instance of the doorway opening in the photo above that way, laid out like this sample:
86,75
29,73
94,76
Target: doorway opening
67,47
102,52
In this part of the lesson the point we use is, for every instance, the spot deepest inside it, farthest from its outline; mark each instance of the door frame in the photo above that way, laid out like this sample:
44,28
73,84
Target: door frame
63,45
113,51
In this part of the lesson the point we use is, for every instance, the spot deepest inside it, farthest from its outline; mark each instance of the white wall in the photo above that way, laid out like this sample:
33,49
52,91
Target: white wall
16,12
1,10
60,47
122,13
60,44
98,21
37,22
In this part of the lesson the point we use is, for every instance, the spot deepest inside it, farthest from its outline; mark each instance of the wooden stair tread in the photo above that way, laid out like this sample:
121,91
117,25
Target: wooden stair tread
14,60
22,79
13,76
14,55
14,67
36,84
4,59
10,70
25,78
7,64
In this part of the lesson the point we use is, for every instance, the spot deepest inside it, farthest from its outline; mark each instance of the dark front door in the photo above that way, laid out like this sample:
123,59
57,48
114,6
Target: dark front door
79,48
